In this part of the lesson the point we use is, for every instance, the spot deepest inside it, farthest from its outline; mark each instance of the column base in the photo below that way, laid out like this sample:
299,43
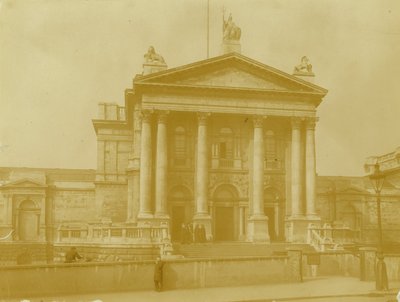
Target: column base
161,218
204,219
297,228
144,219
257,229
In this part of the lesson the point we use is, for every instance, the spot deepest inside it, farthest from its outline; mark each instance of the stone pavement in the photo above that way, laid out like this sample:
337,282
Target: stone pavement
339,287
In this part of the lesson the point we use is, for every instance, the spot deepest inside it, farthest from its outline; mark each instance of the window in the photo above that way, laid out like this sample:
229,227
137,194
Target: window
226,148
271,157
180,146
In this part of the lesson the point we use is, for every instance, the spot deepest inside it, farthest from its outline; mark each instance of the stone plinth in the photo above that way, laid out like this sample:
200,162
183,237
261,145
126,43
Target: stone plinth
149,68
229,46
257,229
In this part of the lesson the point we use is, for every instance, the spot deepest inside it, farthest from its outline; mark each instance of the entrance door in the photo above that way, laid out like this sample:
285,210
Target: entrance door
270,213
177,218
224,224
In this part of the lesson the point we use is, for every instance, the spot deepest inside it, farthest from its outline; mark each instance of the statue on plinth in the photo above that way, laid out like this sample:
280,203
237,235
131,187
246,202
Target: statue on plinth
304,67
151,57
230,30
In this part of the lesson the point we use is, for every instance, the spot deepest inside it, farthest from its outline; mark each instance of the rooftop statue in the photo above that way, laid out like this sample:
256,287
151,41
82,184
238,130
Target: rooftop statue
304,67
230,30
152,57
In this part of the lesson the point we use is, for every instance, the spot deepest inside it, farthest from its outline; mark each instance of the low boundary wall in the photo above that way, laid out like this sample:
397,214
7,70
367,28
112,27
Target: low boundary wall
56,279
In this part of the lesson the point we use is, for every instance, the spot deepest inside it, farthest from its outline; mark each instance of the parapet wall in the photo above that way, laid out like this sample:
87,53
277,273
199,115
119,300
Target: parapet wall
48,280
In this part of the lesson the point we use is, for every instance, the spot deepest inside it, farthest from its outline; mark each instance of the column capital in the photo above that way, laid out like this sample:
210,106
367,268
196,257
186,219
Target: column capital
162,116
310,123
296,122
146,115
258,121
202,117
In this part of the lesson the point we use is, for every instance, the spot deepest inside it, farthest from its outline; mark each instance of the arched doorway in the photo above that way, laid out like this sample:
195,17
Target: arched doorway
28,221
272,211
180,209
225,197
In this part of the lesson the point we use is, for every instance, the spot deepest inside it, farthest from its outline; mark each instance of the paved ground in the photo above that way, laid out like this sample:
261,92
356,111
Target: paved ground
331,289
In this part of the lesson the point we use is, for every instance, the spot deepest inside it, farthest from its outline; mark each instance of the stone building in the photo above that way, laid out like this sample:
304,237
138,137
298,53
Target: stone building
227,143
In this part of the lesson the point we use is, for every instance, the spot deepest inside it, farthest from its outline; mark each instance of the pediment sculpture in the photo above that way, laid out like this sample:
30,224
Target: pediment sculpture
304,67
230,30
152,57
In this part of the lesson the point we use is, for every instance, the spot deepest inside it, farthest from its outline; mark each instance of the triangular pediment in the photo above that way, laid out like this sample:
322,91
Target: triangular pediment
231,71
231,77
24,183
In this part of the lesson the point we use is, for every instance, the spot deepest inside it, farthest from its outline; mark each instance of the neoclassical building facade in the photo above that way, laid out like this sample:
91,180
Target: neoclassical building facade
226,142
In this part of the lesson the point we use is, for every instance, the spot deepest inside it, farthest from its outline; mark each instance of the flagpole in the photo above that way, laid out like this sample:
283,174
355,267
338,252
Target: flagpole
208,29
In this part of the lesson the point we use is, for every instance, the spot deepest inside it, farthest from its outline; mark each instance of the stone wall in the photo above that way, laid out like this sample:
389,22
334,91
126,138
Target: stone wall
28,281
393,267
98,252
332,264
74,205
40,252
111,201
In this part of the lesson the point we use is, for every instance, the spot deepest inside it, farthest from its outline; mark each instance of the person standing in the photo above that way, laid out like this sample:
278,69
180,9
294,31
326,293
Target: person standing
202,234
158,275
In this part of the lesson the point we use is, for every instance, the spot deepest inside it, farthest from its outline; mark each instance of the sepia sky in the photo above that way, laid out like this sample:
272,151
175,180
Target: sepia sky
58,59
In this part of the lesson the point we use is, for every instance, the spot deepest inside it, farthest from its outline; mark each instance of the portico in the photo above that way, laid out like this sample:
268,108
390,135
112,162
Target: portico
227,121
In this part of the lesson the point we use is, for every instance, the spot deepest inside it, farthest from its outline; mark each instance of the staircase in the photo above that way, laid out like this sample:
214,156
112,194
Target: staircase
235,249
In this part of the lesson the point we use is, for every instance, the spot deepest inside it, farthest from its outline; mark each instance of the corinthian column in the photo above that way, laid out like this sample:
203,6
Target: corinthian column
258,167
296,172
161,166
145,167
202,165
310,167
201,213
257,227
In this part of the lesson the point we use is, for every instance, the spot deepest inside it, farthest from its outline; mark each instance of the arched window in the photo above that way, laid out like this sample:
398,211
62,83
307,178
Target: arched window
180,146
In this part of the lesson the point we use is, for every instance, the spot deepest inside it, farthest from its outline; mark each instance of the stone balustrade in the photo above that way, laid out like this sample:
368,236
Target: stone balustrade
326,237
90,233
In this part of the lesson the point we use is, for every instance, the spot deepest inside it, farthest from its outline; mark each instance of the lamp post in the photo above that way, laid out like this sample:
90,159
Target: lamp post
377,180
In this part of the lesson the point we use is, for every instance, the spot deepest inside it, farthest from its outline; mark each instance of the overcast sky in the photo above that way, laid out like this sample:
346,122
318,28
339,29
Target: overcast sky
58,59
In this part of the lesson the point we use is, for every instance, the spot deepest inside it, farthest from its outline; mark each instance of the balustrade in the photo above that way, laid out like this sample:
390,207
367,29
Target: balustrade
326,237
113,234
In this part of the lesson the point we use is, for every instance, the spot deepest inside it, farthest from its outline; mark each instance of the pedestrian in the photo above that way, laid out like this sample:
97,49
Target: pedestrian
72,255
24,257
184,231
158,275
190,232
202,234
196,233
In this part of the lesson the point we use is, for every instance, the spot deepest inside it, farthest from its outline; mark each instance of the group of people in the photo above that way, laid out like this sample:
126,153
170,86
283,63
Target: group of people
190,234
